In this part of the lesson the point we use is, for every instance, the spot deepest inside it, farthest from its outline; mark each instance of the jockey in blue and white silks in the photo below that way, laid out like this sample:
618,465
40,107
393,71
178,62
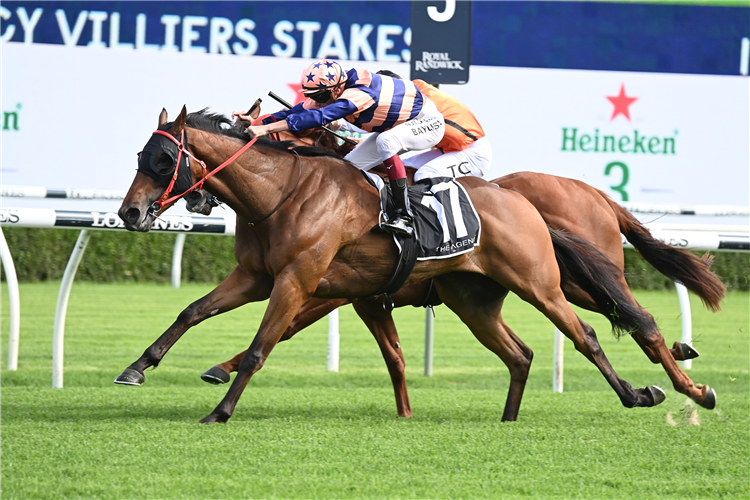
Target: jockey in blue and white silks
401,117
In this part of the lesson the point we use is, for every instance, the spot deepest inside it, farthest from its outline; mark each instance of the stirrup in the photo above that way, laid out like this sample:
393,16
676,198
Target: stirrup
399,225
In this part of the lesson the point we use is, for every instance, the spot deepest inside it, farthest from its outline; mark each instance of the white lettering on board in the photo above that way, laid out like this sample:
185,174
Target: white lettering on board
446,15
214,35
28,24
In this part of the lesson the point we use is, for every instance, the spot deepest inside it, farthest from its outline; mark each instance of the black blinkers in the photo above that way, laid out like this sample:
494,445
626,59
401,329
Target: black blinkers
158,160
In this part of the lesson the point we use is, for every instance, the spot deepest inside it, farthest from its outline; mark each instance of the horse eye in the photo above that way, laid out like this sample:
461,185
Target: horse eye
164,161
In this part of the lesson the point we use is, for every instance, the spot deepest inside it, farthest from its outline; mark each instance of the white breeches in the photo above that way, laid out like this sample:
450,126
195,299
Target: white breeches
423,132
474,160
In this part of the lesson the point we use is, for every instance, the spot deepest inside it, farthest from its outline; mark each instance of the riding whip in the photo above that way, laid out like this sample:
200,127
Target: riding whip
289,106
254,106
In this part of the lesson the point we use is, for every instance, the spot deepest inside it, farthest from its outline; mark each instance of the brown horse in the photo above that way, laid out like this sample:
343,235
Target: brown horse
564,204
312,215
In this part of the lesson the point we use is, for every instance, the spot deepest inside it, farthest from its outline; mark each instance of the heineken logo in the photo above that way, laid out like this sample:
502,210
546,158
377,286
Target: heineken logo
633,143
615,142
10,118
622,103
579,140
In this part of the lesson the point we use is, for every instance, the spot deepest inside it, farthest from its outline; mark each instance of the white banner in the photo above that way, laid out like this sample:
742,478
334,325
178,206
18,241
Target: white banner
640,137
75,117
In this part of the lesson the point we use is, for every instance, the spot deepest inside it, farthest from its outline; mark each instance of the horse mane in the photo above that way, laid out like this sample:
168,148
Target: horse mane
219,124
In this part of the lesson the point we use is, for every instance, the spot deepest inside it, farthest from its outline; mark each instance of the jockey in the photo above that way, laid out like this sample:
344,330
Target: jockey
399,115
464,148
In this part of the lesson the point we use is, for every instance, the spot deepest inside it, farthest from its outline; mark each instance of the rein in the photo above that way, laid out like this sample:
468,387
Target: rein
165,199
181,146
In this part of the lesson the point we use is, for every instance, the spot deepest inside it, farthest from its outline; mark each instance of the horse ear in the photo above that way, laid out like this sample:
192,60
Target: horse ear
179,123
162,118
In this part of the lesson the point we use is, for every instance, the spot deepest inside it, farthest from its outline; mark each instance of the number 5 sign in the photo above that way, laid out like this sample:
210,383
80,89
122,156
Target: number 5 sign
441,41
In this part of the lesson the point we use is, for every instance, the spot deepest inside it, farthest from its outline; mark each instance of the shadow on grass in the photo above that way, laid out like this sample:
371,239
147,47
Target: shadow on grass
139,405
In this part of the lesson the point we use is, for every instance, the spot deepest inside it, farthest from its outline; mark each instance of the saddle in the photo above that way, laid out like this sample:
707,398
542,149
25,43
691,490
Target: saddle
445,224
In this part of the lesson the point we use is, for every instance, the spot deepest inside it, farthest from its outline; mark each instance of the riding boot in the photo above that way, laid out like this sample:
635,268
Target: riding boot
402,222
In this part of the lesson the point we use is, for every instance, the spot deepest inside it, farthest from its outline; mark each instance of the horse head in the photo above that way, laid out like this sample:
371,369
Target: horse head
200,201
164,155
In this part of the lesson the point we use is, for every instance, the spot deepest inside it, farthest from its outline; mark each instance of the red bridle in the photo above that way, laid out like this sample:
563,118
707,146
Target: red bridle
181,146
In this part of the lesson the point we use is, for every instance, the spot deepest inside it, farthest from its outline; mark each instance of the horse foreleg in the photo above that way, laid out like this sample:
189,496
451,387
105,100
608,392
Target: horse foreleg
238,289
287,296
380,323
310,312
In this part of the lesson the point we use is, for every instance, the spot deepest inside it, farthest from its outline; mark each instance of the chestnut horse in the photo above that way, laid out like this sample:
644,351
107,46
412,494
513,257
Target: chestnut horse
564,204
312,216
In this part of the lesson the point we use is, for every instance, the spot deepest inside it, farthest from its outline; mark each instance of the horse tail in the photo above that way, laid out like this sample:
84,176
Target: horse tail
583,264
676,264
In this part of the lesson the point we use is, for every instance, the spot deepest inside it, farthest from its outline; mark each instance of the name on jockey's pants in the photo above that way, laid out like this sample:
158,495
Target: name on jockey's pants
423,129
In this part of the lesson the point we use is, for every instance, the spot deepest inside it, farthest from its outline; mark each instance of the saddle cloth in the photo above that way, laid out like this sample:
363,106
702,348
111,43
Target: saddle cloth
445,221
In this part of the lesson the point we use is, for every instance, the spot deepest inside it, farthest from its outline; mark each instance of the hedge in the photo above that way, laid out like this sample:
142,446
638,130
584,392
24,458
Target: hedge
41,255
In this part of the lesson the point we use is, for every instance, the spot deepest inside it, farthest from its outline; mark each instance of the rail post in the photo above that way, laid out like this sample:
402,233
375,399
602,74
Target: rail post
557,365
429,334
14,303
58,336
687,321
333,341
179,244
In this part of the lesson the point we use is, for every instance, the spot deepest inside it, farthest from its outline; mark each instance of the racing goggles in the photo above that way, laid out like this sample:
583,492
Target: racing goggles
321,97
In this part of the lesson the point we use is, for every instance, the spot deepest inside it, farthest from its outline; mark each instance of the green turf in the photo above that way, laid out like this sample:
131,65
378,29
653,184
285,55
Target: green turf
302,432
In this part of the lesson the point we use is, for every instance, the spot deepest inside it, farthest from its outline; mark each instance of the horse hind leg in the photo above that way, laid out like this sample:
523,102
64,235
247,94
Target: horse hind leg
552,303
679,351
478,301
630,398
650,340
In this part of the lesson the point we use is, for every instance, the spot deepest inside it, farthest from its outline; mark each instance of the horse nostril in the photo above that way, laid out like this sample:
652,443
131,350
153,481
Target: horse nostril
132,215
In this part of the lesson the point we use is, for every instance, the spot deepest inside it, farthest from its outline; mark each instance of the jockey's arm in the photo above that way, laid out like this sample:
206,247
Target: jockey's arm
298,118
271,128
319,116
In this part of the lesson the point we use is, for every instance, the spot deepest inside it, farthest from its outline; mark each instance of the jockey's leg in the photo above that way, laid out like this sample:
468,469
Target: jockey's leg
473,161
402,223
423,132
366,154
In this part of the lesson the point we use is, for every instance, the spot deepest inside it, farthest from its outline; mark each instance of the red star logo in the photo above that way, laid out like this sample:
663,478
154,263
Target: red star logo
622,104
299,95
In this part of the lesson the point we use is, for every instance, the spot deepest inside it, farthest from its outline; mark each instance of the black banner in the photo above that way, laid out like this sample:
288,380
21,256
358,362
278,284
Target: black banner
441,41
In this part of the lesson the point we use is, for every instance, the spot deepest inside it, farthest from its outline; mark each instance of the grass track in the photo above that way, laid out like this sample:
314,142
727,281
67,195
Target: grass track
302,432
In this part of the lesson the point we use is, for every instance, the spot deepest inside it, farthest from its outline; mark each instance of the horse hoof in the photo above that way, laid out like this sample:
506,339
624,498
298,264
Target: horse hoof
657,394
215,375
214,419
130,377
709,401
687,351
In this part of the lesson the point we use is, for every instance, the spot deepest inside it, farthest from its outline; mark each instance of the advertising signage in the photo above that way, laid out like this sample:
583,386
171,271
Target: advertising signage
441,41
697,39
565,106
